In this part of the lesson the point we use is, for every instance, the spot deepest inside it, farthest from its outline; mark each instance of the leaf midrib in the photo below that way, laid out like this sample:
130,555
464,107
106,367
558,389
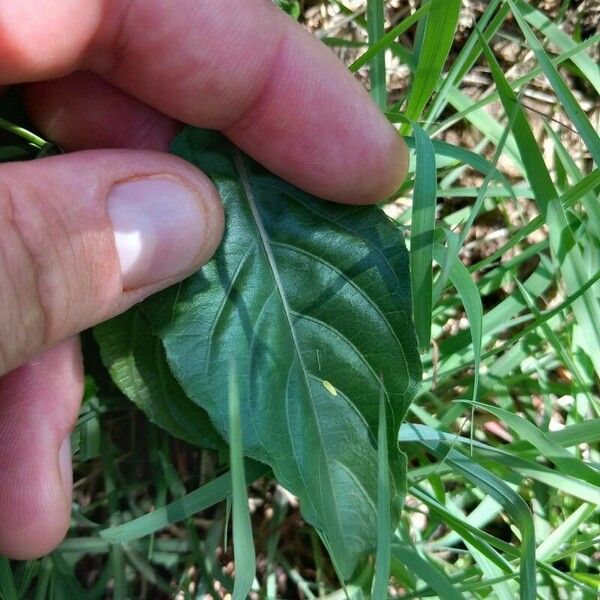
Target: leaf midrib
244,179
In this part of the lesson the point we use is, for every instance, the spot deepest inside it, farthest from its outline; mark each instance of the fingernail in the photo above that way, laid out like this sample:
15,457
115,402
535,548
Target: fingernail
65,464
159,229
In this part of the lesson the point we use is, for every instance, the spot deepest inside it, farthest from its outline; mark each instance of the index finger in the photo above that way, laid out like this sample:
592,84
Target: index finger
242,67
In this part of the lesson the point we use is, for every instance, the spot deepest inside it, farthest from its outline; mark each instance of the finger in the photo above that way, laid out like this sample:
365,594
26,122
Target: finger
83,111
32,524
242,67
86,235
38,407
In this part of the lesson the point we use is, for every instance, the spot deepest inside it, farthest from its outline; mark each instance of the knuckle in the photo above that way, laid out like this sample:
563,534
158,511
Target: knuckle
23,314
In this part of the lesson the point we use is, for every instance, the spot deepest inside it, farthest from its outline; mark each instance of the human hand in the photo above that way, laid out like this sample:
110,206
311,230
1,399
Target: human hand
85,235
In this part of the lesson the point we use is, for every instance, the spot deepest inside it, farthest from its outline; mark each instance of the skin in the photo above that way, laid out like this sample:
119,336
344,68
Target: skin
112,87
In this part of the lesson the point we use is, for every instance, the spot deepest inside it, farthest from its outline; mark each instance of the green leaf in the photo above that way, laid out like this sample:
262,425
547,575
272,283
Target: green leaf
565,531
208,495
382,43
8,589
441,21
561,89
244,554
563,41
421,239
439,582
495,487
553,451
291,7
384,532
313,302
467,57
375,18
562,241
467,290
137,363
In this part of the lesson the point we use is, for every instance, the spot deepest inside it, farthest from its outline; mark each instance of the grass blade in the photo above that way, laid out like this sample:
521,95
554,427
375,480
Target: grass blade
467,290
555,342
565,531
563,41
467,57
243,545
384,533
569,198
503,589
375,18
461,155
22,132
482,120
447,255
554,452
562,242
421,237
517,468
474,536
382,43
514,505
564,94
434,577
208,495
438,34
8,588
573,51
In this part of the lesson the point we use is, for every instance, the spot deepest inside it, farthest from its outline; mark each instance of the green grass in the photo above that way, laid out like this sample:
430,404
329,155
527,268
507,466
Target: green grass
384,532
503,440
243,545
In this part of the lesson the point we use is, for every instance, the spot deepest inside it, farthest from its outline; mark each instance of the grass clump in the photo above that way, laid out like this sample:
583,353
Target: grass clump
500,103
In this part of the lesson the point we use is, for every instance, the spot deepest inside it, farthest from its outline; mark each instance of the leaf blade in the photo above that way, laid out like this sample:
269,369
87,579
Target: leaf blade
441,21
278,298
243,544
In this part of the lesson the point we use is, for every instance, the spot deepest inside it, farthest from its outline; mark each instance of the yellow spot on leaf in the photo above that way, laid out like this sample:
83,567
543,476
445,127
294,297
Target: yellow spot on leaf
329,387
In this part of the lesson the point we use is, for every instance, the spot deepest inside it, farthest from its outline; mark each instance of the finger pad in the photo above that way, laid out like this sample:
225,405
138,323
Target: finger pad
38,406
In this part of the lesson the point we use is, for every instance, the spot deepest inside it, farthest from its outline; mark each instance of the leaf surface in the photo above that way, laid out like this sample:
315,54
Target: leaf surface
312,302
137,363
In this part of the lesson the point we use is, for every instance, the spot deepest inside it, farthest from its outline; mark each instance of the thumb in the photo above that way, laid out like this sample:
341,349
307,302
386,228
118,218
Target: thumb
86,235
